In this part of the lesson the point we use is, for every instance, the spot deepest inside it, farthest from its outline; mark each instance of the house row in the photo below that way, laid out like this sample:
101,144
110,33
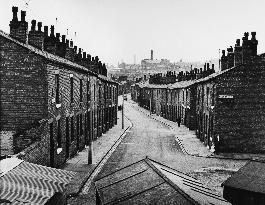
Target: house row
54,98
225,108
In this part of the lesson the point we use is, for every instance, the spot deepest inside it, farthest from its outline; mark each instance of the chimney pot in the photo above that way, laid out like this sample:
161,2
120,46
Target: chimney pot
75,49
45,30
89,57
246,35
52,31
71,44
58,36
238,42
67,42
63,38
84,55
253,34
223,52
15,10
33,25
80,50
23,15
39,26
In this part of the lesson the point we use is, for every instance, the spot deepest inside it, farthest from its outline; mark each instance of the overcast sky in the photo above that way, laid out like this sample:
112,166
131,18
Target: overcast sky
116,30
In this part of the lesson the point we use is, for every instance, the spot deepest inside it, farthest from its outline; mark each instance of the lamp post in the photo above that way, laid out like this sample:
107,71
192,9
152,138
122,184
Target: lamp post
122,110
89,157
150,101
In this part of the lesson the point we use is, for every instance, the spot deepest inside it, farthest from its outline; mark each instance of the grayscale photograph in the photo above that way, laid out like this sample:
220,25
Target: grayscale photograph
132,102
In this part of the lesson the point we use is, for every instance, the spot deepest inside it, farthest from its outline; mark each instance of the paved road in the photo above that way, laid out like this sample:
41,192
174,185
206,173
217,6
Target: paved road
151,138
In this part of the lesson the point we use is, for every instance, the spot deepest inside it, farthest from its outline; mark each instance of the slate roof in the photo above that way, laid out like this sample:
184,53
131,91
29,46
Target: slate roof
53,57
27,183
150,182
187,83
250,177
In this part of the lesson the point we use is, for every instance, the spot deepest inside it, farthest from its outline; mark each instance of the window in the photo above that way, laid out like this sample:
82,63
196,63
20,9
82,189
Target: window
57,89
71,89
59,134
81,90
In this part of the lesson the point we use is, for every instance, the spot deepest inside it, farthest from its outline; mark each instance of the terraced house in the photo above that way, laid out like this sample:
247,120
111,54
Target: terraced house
54,99
225,108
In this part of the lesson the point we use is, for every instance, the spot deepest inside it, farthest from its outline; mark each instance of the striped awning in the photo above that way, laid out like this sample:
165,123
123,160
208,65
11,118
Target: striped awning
29,183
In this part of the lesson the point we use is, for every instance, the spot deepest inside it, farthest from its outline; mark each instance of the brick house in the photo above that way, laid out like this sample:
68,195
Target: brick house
226,109
54,101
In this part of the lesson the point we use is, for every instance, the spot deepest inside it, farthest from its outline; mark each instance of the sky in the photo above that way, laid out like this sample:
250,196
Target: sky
116,30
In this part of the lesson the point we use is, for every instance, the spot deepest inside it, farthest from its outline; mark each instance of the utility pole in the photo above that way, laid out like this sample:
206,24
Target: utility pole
89,157
219,59
150,101
122,111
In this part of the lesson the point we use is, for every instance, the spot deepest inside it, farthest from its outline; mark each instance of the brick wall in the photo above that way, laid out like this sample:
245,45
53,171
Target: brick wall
240,121
29,94
37,151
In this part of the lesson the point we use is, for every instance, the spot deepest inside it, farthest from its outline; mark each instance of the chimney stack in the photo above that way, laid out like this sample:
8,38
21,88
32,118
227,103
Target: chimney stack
39,26
152,53
230,57
254,43
63,39
88,57
60,46
58,37
36,37
70,51
19,29
52,31
45,31
237,53
50,41
246,49
223,61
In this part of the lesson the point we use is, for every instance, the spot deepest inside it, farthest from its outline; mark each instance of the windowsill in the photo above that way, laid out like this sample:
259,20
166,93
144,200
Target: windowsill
58,105
59,150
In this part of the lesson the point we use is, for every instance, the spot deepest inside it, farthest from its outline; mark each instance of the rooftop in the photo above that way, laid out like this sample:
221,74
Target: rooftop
149,182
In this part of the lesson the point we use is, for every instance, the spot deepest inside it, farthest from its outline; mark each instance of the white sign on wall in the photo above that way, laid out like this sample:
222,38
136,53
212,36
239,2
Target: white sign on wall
226,96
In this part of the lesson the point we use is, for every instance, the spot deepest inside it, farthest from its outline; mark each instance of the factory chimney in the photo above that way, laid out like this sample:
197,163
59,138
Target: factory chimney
152,53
